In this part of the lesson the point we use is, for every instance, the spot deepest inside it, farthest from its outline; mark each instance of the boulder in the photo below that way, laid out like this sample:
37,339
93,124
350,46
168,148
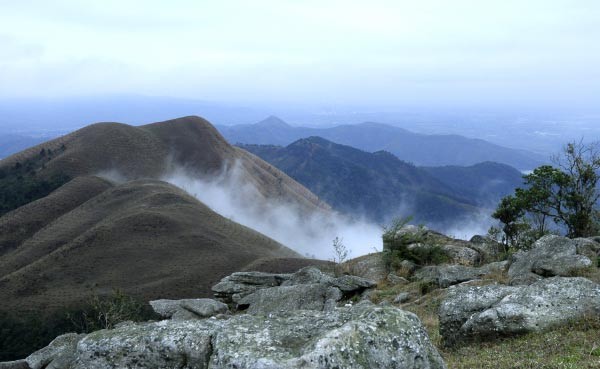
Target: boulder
550,256
394,280
355,337
57,355
457,254
315,296
444,276
237,285
188,308
17,364
491,311
369,266
402,297
488,248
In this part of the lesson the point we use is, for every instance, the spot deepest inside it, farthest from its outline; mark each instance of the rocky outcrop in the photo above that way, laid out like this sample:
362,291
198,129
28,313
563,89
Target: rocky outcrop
486,312
188,308
233,288
444,276
361,336
308,289
489,249
551,256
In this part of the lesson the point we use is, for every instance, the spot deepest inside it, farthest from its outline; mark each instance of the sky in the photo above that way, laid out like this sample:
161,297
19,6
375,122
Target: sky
372,53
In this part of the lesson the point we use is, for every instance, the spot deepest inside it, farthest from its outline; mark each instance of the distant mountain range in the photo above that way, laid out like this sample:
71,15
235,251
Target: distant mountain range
419,149
380,186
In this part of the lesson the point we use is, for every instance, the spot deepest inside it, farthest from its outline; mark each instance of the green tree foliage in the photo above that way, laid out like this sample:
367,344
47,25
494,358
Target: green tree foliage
566,194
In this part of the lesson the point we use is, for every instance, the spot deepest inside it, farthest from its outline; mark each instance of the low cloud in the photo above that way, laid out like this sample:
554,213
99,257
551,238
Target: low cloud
308,234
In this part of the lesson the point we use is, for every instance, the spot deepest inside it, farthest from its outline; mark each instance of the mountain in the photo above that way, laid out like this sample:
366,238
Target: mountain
145,237
148,151
88,212
380,186
420,149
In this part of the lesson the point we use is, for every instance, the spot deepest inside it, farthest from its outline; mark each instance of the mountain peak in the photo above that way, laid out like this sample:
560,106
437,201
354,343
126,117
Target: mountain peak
272,121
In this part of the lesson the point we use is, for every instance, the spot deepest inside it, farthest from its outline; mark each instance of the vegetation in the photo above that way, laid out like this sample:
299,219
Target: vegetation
22,334
396,248
566,194
22,183
339,250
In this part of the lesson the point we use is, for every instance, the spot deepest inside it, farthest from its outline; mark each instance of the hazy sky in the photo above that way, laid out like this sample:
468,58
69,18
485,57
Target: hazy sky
380,53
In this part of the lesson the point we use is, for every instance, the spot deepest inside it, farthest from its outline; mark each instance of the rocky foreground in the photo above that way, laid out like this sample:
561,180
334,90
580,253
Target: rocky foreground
311,319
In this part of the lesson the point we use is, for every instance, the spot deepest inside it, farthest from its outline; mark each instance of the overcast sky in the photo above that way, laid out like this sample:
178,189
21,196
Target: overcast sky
373,53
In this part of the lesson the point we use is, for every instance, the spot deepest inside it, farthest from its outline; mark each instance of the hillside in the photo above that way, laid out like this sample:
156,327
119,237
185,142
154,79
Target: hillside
145,237
420,149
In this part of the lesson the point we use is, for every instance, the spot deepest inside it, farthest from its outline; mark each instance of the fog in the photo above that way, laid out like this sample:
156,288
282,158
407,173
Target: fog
309,234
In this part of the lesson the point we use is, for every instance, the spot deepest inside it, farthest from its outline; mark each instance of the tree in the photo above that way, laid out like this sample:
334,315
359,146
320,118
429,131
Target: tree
566,193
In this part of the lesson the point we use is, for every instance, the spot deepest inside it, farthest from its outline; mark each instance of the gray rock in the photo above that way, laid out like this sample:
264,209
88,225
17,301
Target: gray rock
488,312
487,247
402,298
361,336
412,231
57,355
588,247
351,284
394,280
18,364
462,255
369,266
409,266
234,287
188,308
550,256
446,275
307,275
315,296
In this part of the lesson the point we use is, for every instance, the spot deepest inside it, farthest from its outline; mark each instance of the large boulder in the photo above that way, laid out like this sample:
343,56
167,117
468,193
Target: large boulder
550,256
58,354
188,308
489,249
358,337
236,286
491,311
444,276
309,288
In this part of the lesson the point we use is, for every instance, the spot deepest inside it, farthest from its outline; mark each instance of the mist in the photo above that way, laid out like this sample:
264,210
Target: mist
310,235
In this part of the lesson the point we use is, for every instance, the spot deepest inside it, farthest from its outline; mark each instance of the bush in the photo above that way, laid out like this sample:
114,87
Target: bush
23,333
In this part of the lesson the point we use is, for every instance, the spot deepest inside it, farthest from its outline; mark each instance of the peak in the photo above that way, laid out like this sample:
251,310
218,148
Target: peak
272,121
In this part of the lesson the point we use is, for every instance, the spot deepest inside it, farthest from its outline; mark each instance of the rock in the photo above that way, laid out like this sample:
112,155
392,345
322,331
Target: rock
307,275
588,247
360,336
188,308
487,312
315,296
412,231
462,255
550,256
444,276
369,266
234,287
488,248
57,355
394,280
408,266
402,298
350,284
18,364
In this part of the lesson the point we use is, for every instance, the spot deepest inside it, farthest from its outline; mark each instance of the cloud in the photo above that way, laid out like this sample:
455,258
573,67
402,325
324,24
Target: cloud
308,234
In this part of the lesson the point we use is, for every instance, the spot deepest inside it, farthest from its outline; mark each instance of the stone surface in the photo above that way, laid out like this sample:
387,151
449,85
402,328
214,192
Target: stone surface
394,280
17,364
402,298
489,249
314,296
444,276
57,355
188,308
550,256
356,337
369,266
238,285
491,311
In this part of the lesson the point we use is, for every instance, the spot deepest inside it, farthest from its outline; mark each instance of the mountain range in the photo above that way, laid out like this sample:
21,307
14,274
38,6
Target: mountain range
419,149
379,186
